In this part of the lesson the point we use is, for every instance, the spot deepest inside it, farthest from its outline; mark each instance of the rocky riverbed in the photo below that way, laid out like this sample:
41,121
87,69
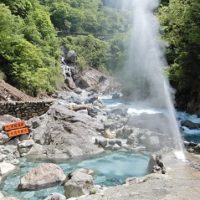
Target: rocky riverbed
78,125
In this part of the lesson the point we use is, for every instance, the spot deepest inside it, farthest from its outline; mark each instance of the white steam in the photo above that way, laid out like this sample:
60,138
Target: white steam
144,69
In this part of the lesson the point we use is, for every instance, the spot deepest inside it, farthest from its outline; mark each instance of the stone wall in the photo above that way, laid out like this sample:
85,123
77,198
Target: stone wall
24,110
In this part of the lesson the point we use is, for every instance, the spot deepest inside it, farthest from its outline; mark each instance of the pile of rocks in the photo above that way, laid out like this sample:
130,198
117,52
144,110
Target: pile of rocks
24,110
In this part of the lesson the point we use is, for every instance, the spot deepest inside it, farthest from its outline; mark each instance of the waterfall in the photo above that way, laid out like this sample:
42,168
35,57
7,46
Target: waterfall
144,68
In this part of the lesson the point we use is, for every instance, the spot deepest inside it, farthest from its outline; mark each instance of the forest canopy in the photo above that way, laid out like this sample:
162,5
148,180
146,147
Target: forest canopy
32,32
29,46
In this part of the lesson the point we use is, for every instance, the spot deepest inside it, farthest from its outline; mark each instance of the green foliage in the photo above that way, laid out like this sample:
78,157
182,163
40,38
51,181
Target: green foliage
86,16
19,7
29,49
181,26
118,52
91,51
103,55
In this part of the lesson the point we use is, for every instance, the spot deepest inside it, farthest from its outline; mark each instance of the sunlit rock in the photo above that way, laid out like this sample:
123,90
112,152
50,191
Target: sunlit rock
43,176
6,168
80,182
55,196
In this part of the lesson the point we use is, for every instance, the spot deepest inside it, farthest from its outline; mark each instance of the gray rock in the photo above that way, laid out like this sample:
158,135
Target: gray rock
156,165
122,111
83,83
2,197
190,124
70,83
113,124
101,141
10,153
197,148
153,141
124,132
4,138
43,176
2,157
55,196
6,168
116,96
92,111
73,190
80,183
71,56
116,147
26,143
78,90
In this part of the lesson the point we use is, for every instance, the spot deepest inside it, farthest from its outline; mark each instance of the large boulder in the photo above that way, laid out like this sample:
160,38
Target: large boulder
43,176
80,183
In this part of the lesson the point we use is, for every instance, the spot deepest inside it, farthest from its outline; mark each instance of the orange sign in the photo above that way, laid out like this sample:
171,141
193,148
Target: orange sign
14,125
17,132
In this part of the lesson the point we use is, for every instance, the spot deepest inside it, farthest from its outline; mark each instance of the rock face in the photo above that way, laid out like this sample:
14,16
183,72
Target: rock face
80,183
95,80
43,176
63,132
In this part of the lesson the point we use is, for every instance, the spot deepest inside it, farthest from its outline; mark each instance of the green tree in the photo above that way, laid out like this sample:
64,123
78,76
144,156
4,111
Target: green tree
181,26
